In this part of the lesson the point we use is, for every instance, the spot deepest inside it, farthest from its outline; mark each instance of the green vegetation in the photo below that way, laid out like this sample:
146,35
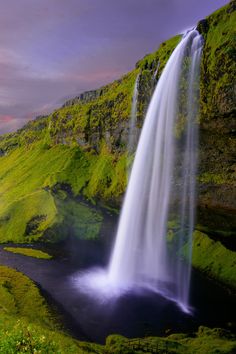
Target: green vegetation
30,252
205,341
32,201
219,65
213,259
20,297
217,105
26,323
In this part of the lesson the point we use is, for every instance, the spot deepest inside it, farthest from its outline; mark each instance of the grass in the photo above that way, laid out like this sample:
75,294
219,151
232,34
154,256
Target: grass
20,297
30,252
27,324
28,206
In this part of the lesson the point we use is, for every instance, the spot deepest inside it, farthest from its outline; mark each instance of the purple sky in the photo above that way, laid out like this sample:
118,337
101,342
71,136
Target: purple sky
51,50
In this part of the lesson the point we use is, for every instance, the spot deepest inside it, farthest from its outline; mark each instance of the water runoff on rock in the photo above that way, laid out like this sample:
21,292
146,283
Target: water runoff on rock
147,254
162,187
133,131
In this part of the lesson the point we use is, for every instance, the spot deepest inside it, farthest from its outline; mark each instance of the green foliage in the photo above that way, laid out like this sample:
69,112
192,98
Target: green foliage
77,219
205,341
214,259
30,252
27,205
16,217
161,56
213,178
19,296
219,64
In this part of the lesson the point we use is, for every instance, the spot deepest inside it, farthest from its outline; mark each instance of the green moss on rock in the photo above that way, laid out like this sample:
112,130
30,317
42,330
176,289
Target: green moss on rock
213,259
205,341
30,252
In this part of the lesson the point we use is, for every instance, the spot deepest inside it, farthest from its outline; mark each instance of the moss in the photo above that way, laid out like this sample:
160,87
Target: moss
213,259
21,212
77,219
161,56
19,296
213,178
27,325
205,341
218,65
29,207
30,252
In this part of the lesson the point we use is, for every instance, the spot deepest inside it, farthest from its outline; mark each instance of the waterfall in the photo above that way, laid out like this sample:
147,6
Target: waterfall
157,69
163,174
133,131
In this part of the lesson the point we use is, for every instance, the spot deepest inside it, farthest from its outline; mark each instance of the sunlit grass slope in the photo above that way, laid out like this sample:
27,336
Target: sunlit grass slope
28,205
30,252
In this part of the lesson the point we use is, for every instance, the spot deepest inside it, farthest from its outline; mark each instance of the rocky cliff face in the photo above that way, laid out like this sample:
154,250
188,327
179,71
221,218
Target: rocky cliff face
217,169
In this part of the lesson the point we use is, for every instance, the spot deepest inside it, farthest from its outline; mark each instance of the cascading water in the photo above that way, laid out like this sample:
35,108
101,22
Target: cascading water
161,190
163,172
133,131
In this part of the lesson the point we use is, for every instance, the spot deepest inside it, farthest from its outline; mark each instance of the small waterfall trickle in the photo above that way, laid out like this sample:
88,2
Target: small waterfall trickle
133,131
164,169
157,69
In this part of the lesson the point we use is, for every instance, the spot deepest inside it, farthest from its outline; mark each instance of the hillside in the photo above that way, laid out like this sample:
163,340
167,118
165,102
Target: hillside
56,168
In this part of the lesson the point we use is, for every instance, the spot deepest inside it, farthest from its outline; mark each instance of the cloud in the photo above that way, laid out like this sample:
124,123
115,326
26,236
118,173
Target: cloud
10,123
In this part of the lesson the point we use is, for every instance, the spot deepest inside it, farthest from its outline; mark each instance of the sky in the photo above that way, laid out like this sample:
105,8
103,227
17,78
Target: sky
52,50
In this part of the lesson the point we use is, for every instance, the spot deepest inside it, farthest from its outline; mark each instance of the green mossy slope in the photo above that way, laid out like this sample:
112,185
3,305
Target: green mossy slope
213,259
31,200
27,325
29,252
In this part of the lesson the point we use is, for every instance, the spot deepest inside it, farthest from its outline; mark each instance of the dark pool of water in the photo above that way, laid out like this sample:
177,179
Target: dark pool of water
132,314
